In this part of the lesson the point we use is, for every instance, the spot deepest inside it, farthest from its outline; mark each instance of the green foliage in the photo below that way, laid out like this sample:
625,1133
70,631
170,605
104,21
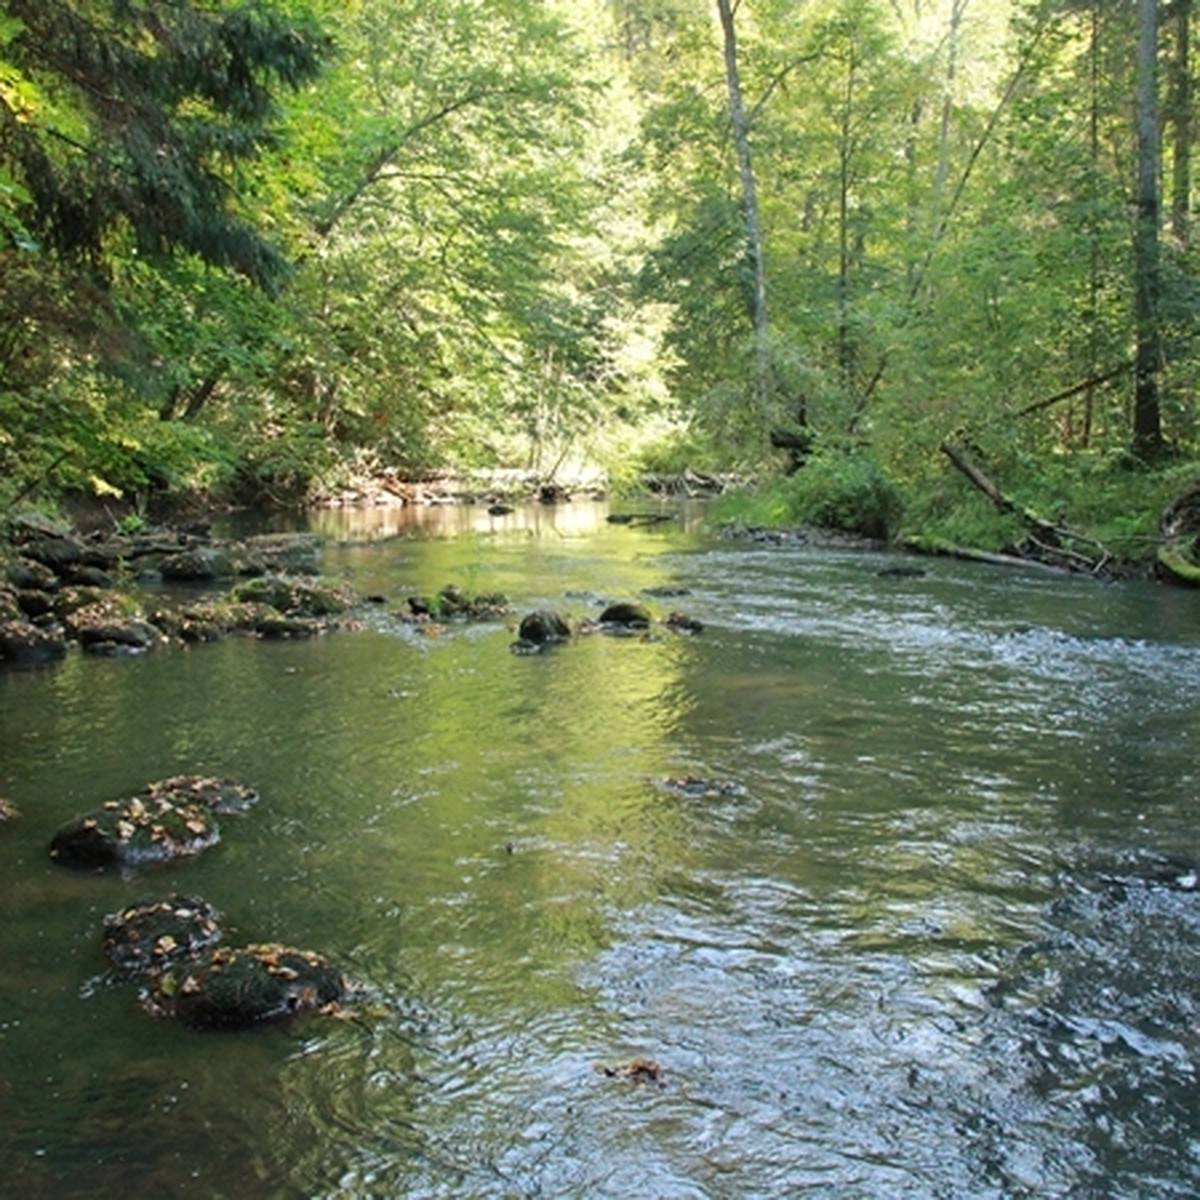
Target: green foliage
950,513
517,239
141,114
847,493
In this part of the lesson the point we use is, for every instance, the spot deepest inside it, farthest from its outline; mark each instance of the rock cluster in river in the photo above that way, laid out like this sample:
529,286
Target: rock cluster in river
61,588
545,627
171,944
452,603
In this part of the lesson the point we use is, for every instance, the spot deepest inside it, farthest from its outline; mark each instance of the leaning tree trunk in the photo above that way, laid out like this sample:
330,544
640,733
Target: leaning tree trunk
1147,270
754,240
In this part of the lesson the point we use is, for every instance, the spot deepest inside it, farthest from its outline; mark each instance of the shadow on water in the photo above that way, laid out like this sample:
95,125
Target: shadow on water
891,878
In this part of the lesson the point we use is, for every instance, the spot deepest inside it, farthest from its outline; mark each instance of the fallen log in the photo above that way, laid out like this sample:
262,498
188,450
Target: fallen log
1048,542
936,547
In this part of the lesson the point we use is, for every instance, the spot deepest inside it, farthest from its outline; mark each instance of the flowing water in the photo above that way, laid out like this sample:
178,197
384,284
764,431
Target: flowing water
933,932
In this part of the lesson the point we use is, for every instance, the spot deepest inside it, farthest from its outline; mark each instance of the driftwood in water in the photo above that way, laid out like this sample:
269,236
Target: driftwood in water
1045,542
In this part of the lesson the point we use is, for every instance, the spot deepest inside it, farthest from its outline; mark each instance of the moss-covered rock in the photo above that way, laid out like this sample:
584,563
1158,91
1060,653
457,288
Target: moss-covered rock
72,599
235,988
153,934
174,818
295,597
276,625
452,603
10,604
206,620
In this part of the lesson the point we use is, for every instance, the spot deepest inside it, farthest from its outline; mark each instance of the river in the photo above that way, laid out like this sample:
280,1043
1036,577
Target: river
931,932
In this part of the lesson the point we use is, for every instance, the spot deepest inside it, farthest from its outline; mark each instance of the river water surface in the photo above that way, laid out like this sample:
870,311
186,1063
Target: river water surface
936,933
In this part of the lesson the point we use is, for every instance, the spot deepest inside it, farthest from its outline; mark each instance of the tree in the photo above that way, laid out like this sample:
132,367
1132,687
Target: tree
137,115
1182,98
740,127
1147,268
126,131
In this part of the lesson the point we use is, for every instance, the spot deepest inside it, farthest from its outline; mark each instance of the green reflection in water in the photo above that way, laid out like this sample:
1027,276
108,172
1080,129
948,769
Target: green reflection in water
478,837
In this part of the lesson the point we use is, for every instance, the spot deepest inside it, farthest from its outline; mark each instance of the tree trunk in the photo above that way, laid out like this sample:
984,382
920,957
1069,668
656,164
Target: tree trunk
844,349
754,241
1182,94
1147,269
957,11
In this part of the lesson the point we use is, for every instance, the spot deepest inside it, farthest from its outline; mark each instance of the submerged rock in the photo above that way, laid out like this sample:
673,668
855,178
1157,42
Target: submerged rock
697,787
235,988
682,623
150,935
174,818
637,1070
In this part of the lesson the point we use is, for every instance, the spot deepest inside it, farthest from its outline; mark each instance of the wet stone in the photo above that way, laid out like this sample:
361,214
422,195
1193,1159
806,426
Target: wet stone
627,615
35,603
174,818
199,564
637,1070
543,627
89,576
235,988
28,574
150,935
295,597
275,625
452,603
681,622
697,787
25,644
57,553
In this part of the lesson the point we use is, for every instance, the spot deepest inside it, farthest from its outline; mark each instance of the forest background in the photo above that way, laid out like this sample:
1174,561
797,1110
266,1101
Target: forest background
254,250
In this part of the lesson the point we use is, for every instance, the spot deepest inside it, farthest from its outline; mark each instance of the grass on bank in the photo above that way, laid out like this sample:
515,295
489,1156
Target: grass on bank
1109,500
